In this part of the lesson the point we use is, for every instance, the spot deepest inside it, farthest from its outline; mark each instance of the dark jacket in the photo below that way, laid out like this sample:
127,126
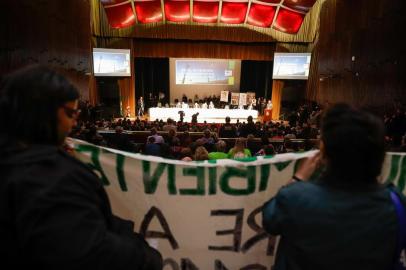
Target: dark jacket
55,214
324,227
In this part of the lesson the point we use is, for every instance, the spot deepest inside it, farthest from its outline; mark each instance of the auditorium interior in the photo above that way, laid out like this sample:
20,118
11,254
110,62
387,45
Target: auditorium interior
200,110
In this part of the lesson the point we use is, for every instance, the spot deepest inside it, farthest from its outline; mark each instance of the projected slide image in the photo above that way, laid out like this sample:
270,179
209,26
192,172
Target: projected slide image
286,66
111,62
218,72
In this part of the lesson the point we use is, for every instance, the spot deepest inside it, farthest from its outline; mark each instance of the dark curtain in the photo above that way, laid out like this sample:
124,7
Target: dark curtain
151,77
256,76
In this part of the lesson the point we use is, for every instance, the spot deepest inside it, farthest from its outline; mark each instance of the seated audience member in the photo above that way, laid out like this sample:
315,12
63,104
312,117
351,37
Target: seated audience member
240,149
170,124
186,139
121,141
266,150
227,130
201,153
253,145
92,136
207,139
158,138
249,128
152,148
186,152
172,139
345,218
220,153
55,213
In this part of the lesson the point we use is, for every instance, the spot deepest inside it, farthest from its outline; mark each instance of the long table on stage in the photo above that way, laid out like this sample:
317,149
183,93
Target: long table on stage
208,115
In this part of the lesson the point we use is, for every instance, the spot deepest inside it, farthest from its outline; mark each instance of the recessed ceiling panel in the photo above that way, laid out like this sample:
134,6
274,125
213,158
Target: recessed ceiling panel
112,2
261,15
205,11
233,12
288,21
120,16
177,10
271,1
148,11
300,5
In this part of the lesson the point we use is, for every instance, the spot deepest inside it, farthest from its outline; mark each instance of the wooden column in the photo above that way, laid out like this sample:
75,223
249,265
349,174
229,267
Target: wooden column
277,86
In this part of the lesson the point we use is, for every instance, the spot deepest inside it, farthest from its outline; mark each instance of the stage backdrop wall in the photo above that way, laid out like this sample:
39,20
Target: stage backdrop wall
190,90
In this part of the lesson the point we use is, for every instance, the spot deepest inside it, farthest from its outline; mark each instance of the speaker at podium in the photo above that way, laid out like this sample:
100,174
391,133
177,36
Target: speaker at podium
267,115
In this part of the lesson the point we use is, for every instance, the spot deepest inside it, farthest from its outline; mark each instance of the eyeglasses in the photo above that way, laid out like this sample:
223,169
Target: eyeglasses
71,113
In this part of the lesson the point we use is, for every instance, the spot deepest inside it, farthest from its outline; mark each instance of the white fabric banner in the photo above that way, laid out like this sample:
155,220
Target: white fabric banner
202,215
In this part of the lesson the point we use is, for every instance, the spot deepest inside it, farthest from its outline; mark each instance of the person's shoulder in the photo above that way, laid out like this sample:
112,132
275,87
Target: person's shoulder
300,190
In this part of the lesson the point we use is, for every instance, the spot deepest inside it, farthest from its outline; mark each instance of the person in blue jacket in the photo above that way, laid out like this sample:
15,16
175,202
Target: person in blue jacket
345,218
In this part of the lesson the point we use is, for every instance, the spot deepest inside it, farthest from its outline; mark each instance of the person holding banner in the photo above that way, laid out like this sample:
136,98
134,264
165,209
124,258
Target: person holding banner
345,218
54,211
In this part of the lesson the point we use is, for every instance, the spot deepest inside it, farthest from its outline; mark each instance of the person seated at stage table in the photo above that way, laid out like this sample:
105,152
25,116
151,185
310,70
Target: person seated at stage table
204,105
228,130
197,106
178,104
220,153
185,105
240,149
211,105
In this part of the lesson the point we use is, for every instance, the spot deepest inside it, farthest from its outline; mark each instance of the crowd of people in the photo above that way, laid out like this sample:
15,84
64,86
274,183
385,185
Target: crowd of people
55,213
176,142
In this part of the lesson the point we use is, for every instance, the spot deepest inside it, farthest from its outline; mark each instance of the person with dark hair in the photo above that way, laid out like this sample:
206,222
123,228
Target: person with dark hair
343,219
227,130
54,212
194,118
249,128
121,141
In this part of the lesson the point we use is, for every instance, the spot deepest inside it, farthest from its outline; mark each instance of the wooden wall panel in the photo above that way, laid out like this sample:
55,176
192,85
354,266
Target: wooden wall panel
371,31
192,49
47,32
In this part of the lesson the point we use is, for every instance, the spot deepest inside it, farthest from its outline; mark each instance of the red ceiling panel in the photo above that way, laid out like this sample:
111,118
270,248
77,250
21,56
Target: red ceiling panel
148,11
271,1
120,16
205,11
177,10
261,15
288,21
300,5
112,2
233,12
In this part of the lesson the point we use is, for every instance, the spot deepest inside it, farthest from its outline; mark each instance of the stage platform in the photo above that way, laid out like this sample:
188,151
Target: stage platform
208,115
